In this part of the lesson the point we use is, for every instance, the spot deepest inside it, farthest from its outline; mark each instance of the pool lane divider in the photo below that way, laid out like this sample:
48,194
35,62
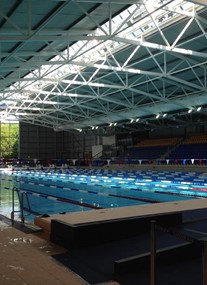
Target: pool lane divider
139,177
112,195
180,194
60,199
99,193
137,199
147,200
120,174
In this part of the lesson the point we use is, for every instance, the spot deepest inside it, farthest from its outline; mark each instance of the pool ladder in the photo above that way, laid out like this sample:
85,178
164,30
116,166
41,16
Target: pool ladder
23,200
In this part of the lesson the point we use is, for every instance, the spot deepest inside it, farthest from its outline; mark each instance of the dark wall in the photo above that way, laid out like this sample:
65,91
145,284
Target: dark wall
44,143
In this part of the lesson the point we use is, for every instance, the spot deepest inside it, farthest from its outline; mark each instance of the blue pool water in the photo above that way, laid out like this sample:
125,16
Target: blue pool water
73,190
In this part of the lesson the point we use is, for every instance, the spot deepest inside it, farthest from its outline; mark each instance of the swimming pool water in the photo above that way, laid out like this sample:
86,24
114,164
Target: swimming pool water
73,190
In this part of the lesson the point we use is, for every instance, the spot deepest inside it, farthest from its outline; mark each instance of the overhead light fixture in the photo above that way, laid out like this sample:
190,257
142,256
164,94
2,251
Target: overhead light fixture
157,116
112,124
132,120
199,108
164,115
137,120
190,110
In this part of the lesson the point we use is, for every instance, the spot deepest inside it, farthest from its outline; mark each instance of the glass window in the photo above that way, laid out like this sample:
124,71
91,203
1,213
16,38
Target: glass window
9,138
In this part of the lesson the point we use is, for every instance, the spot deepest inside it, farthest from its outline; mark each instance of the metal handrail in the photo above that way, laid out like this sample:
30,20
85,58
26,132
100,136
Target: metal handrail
21,196
13,211
154,226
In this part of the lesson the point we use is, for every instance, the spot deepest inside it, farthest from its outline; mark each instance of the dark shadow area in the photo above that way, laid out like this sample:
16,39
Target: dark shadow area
188,272
95,264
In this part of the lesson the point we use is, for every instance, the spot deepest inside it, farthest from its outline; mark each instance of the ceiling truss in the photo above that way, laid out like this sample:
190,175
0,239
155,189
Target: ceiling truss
140,65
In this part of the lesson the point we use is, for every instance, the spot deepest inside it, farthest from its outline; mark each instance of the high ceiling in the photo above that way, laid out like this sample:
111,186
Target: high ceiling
103,65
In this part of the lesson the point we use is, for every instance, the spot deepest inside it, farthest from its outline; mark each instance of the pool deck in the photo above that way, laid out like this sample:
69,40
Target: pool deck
114,214
26,259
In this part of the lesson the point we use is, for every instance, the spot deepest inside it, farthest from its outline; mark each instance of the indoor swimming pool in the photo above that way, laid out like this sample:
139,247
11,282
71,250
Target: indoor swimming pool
76,189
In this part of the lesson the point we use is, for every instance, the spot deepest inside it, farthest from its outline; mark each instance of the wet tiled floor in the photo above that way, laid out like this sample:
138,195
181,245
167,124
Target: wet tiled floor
25,259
